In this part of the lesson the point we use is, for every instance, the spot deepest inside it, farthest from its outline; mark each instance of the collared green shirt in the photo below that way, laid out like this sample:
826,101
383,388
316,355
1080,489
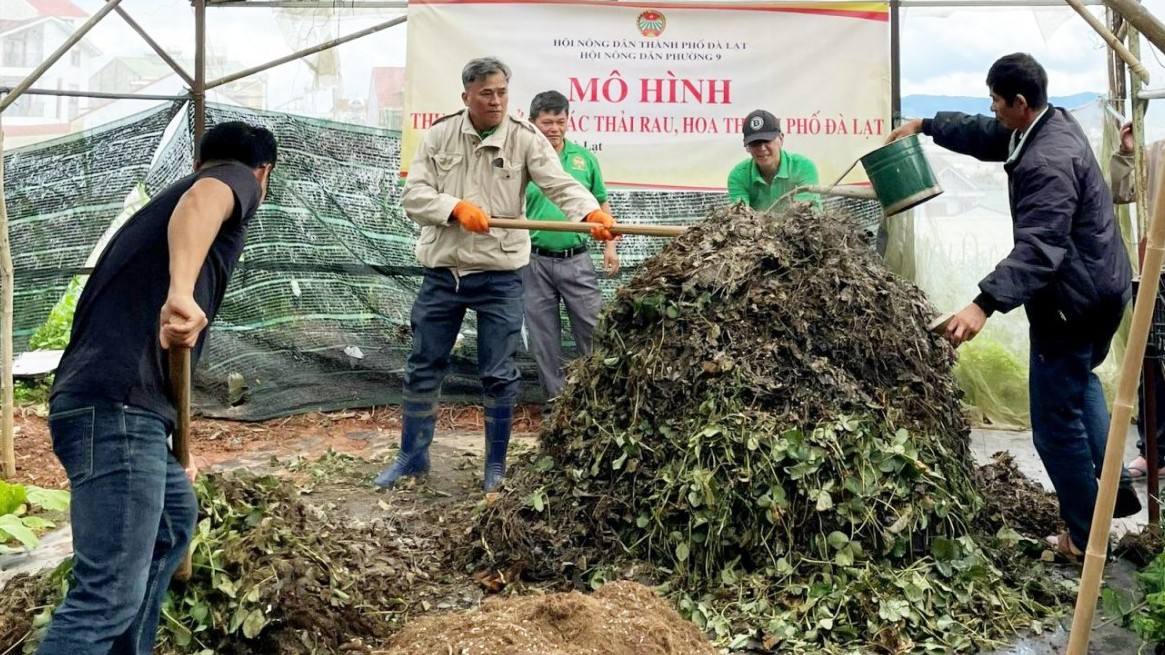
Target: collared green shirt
584,167
746,183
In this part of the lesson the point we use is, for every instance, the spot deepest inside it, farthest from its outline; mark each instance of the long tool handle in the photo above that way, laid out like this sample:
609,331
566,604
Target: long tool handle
180,379
572,226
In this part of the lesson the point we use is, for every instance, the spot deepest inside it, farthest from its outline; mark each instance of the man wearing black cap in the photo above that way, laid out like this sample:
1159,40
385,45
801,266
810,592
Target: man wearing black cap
763,180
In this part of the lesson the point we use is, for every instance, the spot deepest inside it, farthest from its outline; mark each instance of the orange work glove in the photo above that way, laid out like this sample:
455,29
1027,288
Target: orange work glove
603,224
471,216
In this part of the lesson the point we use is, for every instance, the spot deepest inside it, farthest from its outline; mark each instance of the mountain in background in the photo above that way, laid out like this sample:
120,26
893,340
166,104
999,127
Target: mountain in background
925,106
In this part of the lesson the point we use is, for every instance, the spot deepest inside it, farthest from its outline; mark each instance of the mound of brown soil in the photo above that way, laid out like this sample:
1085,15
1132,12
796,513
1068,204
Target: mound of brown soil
619,619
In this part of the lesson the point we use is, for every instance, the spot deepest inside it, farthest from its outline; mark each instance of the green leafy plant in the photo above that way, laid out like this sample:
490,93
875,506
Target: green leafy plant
20,521
34,392
54,333
266,566
1148,619
271,575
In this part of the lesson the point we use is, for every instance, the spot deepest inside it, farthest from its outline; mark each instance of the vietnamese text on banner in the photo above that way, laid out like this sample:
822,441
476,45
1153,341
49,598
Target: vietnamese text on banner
659,91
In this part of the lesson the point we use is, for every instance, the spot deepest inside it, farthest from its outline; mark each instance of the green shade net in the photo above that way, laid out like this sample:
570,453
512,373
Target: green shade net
317,313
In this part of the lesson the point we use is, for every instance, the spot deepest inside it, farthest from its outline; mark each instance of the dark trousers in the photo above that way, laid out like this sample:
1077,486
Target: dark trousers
1070,424
496,297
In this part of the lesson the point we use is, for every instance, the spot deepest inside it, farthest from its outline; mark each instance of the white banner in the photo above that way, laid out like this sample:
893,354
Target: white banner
659,91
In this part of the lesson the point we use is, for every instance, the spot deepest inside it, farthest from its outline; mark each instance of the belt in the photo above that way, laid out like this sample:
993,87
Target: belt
559,254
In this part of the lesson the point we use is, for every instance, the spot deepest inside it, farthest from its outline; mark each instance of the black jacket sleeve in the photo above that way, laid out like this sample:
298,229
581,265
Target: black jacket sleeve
981,137
1045,198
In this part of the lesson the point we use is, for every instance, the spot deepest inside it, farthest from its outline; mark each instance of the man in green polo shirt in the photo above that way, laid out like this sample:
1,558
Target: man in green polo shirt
560,269
770,172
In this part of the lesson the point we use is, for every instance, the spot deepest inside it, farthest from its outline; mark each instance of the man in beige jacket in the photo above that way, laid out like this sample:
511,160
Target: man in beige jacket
471,165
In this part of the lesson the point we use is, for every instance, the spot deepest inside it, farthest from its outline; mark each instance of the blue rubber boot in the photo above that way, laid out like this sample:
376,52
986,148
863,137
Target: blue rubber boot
499,420
419,421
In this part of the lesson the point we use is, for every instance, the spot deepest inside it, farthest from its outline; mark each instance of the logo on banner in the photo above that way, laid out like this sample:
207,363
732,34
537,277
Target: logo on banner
650,22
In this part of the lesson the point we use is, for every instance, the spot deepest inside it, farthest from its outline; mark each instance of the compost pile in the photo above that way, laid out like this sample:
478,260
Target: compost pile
768,427
620,618
272,575
1015,500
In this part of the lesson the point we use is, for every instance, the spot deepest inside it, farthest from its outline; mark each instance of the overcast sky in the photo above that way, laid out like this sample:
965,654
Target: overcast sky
971,39
944,51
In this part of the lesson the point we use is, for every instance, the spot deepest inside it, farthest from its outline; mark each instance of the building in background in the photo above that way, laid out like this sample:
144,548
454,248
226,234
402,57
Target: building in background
31,30
149,75
137,73
386,97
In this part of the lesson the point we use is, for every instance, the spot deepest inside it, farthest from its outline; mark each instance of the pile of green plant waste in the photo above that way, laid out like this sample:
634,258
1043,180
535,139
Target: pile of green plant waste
272,575
767,429
1147,617
1014,500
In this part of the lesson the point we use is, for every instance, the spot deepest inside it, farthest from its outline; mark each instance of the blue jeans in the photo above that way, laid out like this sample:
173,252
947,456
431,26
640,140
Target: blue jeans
1070,425
133,514
440,307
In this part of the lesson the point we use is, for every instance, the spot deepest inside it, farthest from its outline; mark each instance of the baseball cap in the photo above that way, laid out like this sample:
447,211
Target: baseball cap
760,125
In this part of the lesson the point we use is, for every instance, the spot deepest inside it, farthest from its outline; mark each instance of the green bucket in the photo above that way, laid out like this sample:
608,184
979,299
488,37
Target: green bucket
901,175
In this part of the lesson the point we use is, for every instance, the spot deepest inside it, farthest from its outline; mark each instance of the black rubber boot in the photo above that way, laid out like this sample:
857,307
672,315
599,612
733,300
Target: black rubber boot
499,421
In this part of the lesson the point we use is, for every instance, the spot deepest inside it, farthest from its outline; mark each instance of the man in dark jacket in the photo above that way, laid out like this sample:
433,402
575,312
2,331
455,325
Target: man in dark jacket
1068,268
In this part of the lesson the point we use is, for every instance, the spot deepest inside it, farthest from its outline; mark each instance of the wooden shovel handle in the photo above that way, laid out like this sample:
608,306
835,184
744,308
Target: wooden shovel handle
574,226
180,440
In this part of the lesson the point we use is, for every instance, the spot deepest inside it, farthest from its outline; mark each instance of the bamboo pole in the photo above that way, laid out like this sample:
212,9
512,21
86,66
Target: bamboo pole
1141,187
1117,77
198,91
1139,17
1122,406
1137,118
33,91
574,226
1111,40
110,5
1131,232
7,278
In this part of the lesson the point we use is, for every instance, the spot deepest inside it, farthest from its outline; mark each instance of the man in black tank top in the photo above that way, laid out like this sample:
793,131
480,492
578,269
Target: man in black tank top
158,284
